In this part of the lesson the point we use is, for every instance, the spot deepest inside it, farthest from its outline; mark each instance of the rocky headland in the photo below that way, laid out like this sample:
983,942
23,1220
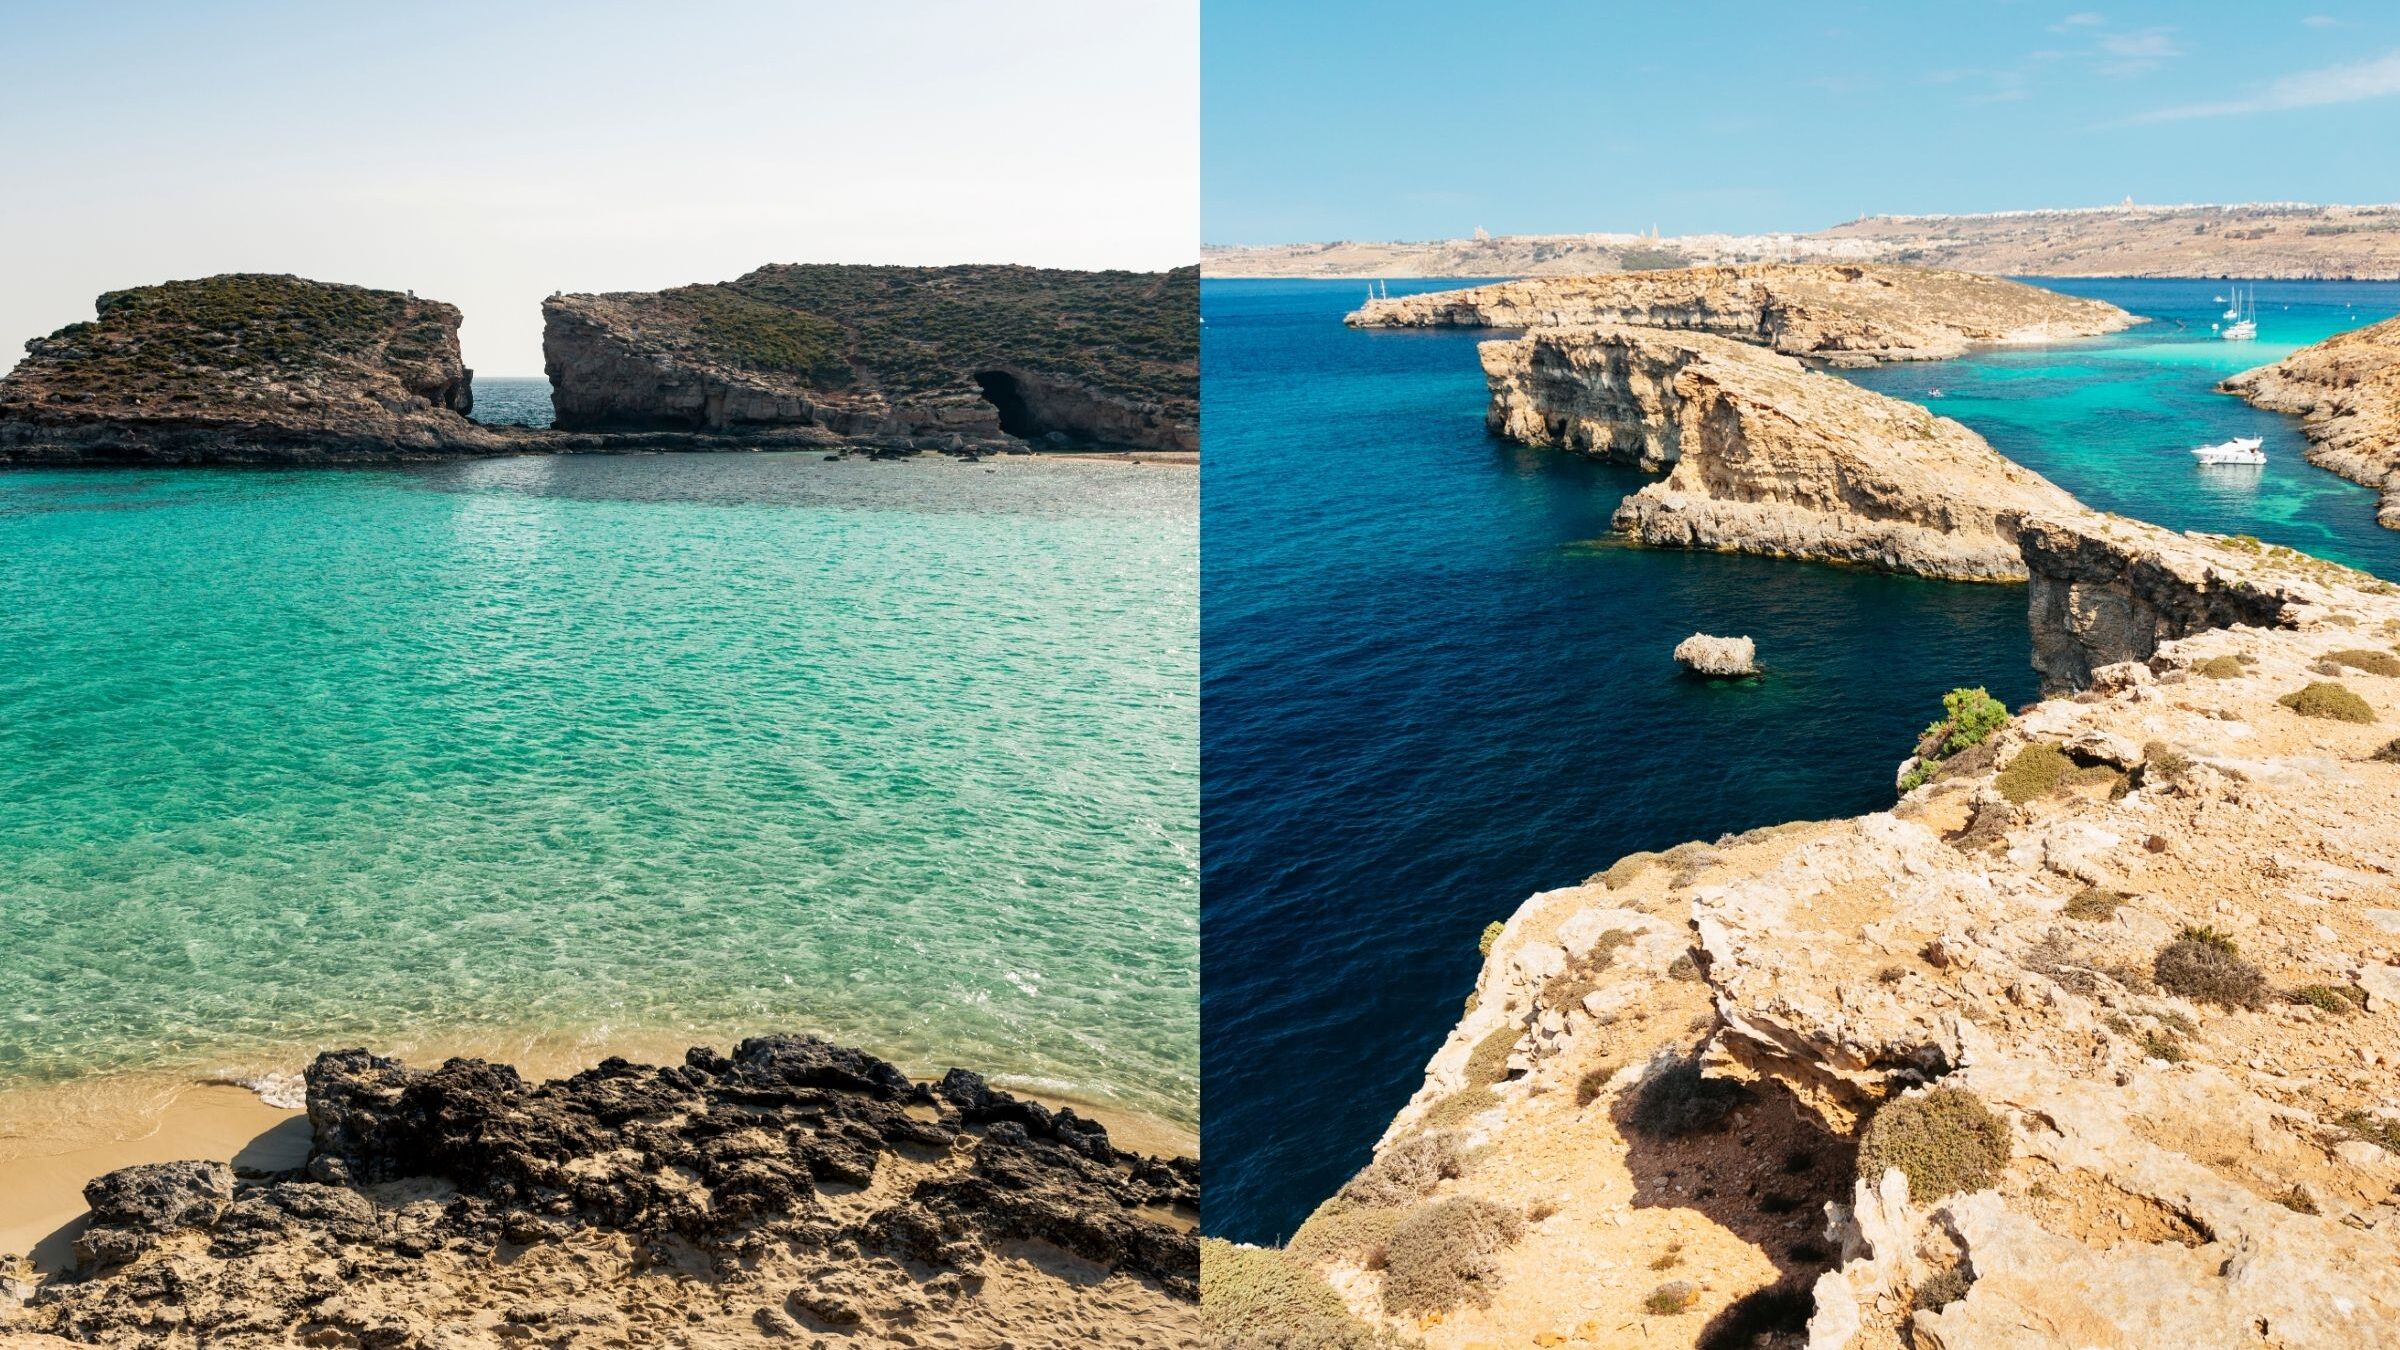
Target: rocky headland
2087,1041
245,368
2346,392
790,1190
886,360
1837,313
1766,455
955,354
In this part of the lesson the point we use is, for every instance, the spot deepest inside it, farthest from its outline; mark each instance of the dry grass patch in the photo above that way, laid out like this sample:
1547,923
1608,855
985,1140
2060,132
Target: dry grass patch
2367,659
1405,1172
2220,668
1671,1299
2343,999
2037,771
2205,965
1440,1255
1266,1298
2094,905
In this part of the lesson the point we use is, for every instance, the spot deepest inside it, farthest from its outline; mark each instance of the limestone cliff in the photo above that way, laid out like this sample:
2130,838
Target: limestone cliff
951,355
1838,313
791,1190
2346,391
244,368
2112,989
1765,455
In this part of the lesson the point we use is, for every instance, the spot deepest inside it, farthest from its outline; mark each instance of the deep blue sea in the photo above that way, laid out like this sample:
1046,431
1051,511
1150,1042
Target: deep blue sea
1435,685
512,400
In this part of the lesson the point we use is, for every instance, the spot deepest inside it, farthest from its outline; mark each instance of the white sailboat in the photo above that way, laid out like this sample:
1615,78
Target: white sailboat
2239,450
2245,317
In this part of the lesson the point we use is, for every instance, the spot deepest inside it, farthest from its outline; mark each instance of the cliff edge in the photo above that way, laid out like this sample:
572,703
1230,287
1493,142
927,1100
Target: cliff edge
2346,392
792,1189
983,355
1839,313
1765,455
2087,1041
244,367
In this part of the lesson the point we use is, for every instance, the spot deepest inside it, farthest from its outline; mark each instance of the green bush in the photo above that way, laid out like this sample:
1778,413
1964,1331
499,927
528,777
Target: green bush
1676,1098
1263,1298
2094,905
2037,770
2326,699
2333,998
1405,1172
2220,668
1441,1255
1944,1141
2204,964
1491,934
2367,659
1969,717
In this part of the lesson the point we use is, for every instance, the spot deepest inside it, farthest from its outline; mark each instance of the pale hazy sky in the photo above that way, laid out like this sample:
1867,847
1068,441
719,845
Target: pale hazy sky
490,154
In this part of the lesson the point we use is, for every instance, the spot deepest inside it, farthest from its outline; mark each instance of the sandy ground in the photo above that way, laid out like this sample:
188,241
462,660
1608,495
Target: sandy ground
56,1137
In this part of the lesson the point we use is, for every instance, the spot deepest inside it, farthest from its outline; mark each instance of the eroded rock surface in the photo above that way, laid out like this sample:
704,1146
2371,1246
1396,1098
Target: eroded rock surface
2183,1169
791,1189
955,355
2346,391
244,368
1832,312
1765,455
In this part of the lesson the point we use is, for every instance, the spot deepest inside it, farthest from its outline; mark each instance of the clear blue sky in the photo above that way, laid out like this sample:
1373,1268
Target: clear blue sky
490,153
1399,119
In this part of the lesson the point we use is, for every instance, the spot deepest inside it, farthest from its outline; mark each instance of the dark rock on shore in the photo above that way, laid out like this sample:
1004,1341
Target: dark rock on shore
793,1183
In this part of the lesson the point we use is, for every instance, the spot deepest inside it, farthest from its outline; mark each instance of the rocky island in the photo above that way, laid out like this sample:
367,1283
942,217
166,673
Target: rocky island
2088,1041
2346,392
245,368
1838,313
1765,455
278,369
790,1190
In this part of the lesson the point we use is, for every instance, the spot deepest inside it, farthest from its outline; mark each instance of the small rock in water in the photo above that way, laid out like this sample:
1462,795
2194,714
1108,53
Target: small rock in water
1719,657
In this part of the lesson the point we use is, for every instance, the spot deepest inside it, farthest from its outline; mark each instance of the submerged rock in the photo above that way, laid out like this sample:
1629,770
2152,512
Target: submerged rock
1721,657
713,1188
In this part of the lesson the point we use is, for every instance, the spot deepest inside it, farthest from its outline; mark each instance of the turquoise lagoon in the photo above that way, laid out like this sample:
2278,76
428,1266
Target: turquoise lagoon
599,751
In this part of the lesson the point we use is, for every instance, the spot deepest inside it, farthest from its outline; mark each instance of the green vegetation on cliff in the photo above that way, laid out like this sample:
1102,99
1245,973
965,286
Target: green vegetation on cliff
183,329
732,328
918,329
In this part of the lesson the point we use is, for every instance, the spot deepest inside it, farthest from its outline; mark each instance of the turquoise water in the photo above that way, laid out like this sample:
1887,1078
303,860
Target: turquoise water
2112,420
600,747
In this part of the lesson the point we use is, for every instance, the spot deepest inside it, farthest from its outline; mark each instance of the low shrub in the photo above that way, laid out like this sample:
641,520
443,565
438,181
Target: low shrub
1623,872
1454,1111
2389,752
1668,1259
2333,998
2038,770
1566,990
1969,717
2374,1129
1944,1141
2326,699
2204,964
1943,1289
1266,1298
2161,1045
1676,1098
1593,1082
1685,968
2297,1200
2220,668
1671,1299
1361,1234
2163,763
2367,659
1440,1255
2093,905
1405,1172
1487,1063
1491,934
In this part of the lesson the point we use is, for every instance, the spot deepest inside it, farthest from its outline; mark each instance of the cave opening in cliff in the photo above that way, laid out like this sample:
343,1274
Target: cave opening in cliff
1007,394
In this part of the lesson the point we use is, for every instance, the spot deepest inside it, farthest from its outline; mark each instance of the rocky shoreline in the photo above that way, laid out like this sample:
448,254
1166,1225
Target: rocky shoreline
1765,455
2146,928
2346,393
973,361
791,1188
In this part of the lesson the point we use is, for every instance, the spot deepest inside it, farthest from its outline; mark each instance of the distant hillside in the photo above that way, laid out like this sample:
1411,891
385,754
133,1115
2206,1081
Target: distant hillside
2276,240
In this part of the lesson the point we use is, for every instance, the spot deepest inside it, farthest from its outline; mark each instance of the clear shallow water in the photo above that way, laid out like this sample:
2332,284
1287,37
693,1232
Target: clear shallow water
512,401
1433,686
902,753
